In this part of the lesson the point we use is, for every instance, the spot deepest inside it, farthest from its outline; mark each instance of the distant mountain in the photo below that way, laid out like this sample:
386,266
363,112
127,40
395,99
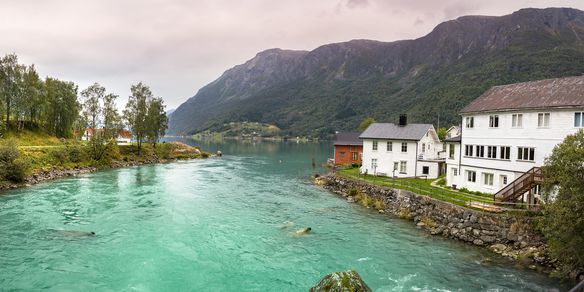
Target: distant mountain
169,112
336,86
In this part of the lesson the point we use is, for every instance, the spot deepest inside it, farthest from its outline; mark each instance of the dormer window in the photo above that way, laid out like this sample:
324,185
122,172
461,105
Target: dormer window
493,121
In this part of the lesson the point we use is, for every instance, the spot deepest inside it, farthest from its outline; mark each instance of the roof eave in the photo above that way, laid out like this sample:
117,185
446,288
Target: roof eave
462,112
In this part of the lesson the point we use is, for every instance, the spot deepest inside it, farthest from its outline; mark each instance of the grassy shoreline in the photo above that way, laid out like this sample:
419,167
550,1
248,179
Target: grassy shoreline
70,158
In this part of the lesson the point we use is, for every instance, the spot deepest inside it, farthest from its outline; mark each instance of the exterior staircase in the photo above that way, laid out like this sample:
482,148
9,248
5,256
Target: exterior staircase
519,187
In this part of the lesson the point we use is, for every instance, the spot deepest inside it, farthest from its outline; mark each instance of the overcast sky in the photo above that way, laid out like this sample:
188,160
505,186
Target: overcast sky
178,46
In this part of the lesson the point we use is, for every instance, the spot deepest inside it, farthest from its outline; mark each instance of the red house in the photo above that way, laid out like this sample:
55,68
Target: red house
348,148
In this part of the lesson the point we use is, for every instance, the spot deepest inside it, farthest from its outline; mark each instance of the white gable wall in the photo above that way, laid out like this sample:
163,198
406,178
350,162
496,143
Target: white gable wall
542,139
386,159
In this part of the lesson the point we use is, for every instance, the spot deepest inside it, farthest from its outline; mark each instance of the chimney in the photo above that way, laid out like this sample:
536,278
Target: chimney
403,120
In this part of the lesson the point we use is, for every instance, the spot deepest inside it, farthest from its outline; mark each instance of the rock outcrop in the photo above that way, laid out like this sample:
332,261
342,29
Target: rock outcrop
348,281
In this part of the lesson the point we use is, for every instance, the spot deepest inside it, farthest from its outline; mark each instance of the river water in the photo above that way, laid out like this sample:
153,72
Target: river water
224,224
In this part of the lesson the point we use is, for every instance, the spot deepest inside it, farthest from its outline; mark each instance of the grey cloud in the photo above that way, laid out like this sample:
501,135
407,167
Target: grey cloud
178,46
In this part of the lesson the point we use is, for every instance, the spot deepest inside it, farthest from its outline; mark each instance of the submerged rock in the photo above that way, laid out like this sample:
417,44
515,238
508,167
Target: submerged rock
341,282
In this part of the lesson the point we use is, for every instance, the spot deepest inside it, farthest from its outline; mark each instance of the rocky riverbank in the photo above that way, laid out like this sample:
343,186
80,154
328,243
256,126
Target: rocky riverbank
514,237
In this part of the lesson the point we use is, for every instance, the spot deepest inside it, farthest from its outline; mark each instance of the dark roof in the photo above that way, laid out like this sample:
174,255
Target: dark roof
348,138
455,139
392,131
558,92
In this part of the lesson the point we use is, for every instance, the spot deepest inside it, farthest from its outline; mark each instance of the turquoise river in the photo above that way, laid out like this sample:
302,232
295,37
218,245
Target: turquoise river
217,225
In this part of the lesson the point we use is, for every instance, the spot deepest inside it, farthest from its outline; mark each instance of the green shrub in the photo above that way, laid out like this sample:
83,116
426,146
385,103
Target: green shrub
13,166
59,155
77,153
441,182
353,192
464,190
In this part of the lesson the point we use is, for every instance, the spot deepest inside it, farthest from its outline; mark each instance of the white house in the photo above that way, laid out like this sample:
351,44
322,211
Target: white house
124,137
510,129
403,150
452,132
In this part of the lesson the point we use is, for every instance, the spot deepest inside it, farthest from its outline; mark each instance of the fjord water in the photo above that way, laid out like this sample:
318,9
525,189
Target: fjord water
217,225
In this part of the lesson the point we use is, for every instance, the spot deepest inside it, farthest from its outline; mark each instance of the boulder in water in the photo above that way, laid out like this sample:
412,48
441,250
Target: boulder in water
341,282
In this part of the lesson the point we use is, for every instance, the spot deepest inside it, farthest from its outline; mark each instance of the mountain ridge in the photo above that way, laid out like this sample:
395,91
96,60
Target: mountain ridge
336,85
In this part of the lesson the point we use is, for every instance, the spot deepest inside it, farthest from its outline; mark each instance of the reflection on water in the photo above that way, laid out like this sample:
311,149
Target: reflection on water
225,224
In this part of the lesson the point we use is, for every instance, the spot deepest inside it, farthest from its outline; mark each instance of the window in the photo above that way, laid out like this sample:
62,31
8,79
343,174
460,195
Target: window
342,154
354,156
374,145
389,146
403,166
543,120
491,151
494,121
423,147
470,122
395,165
468,150
374,163
488,179
471,176
480,151
404,147
526,153
454,171
517,120
504,179
505,152
451,151
425,170
579,120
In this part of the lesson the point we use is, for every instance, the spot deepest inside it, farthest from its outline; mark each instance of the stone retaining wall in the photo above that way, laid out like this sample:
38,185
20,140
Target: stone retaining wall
512,236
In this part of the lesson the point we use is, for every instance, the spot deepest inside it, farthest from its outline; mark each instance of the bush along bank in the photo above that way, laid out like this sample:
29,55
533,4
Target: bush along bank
512,236
28,165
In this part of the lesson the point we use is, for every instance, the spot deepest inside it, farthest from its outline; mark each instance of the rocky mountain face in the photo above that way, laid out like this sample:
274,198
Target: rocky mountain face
337,85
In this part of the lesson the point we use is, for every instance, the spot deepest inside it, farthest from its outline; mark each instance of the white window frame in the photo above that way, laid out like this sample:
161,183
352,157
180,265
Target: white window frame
374,145
471,176
580,122
389,147
404,145
374,164
493,121
492,152
469,122
504,179
517,121
451,151
488,178
526,154
505,152
543,120
403,166
454,171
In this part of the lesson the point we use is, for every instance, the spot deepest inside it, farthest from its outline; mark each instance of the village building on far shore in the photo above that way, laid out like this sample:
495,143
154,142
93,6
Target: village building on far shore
348,148
402,150
508,132
123,137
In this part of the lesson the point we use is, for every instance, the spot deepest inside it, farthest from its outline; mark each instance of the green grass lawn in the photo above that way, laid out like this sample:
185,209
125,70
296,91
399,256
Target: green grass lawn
420,186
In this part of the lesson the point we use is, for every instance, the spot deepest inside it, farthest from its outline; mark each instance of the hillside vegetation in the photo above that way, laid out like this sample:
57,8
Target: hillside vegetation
336,86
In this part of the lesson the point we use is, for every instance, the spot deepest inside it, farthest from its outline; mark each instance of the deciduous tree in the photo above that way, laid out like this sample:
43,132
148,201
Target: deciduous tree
563,220
136,111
